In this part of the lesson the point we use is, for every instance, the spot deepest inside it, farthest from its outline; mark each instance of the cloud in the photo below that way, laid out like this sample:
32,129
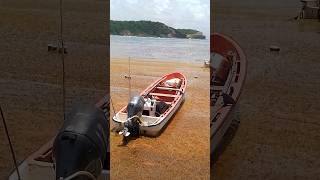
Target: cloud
194,14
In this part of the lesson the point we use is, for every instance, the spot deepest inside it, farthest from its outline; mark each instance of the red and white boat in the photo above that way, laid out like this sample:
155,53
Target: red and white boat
155,106
228,72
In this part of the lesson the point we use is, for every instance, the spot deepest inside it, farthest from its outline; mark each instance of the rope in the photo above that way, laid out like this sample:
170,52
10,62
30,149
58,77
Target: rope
63,64
10,144
129,79
114,112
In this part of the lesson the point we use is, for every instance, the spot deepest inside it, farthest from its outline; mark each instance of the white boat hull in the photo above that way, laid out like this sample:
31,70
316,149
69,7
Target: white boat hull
155,130
218,135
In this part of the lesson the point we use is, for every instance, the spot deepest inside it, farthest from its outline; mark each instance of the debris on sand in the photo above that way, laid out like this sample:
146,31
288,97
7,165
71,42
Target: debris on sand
274,48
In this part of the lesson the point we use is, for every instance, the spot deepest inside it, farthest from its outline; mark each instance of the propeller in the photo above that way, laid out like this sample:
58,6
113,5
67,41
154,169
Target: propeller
125,132
131,129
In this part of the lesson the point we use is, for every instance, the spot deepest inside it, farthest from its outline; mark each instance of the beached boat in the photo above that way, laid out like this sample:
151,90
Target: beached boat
228,73
66,155
148,113
310,9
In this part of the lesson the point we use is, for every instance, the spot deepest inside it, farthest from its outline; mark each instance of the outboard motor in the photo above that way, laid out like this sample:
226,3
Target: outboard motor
134,112
82,144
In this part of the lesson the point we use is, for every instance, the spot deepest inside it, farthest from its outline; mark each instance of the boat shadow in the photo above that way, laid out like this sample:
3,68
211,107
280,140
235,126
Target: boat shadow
227,139
125,141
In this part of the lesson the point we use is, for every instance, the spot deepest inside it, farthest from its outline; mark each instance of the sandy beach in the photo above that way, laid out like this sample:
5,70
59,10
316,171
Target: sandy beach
182,150
278,137
30,76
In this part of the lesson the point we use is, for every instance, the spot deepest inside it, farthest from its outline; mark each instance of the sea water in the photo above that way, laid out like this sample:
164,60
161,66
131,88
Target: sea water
191,50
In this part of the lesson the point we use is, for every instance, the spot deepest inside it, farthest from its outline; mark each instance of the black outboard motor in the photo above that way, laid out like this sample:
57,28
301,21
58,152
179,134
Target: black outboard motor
134,111
135,106
82,143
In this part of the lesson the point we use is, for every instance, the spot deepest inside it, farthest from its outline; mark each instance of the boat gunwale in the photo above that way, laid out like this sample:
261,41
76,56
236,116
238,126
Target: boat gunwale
241,57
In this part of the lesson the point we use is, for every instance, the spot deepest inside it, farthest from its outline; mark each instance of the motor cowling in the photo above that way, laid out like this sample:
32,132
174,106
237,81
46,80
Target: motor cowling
134,113
82,143
135,106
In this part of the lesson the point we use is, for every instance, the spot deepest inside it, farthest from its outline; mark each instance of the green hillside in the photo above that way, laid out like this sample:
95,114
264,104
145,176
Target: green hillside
150,29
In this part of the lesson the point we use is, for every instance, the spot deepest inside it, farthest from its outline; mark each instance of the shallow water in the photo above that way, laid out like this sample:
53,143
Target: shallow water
191,50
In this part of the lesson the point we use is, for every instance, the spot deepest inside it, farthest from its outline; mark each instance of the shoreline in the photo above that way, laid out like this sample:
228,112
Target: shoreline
156,60
154,37
157,37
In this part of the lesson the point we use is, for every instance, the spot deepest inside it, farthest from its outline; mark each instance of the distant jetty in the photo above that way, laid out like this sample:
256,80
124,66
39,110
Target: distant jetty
152,29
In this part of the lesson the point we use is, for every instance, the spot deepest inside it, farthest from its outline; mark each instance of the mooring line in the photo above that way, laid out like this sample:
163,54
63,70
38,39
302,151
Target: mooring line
62,61
10,144
114,112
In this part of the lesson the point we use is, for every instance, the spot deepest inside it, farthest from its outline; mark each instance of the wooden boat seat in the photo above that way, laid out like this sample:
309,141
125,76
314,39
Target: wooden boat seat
164,95
167,88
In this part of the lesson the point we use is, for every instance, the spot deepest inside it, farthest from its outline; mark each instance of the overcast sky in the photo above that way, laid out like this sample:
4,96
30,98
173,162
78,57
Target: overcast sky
189,14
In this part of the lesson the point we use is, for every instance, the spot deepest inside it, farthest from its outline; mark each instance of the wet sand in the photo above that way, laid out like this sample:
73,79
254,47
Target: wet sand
30,77
182,150
278,137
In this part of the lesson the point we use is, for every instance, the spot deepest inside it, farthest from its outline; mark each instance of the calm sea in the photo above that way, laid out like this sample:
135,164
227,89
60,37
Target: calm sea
194,50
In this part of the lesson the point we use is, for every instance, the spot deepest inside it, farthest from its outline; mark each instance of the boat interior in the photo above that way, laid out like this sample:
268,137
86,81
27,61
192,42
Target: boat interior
223,70
225,67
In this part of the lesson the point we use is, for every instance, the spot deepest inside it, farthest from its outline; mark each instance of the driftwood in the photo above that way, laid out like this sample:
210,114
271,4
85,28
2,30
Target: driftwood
52,47
275,48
